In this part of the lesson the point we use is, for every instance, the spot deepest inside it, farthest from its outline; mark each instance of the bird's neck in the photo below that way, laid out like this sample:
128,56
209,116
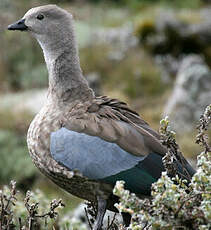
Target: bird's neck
66,81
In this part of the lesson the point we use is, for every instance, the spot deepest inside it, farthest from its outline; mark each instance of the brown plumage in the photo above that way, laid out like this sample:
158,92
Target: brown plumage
114,121
76,130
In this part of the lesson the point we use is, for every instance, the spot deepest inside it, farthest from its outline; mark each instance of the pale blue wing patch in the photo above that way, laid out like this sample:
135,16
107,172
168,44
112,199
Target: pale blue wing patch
91,155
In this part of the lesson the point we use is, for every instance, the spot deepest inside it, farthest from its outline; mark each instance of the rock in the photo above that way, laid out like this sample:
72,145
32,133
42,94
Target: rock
201,31
121,39
33,100
119,36
170,66
191,94
174,36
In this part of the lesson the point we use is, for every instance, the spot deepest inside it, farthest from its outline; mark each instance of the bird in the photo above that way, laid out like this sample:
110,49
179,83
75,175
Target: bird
82,142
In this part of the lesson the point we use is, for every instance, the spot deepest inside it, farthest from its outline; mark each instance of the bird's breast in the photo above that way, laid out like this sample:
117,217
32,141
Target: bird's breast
38,137
47,121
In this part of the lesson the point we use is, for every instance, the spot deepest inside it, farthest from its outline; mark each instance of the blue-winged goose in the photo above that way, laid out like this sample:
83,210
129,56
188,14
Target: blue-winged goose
82,142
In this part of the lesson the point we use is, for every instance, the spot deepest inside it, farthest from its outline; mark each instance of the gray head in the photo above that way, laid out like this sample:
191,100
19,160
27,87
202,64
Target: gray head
48,24
53,29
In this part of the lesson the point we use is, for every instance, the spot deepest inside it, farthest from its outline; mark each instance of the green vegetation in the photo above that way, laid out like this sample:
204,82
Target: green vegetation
142,3
15,162
133,74
21,62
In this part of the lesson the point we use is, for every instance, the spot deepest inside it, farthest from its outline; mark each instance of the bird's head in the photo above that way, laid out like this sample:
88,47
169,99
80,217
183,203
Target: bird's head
46,23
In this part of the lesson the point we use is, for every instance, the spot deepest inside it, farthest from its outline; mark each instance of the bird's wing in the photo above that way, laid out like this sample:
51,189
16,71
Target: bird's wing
107,141
113,121
104,161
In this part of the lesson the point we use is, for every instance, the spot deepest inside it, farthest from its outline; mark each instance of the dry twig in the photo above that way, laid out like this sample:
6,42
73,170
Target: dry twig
204,122
174,154
6,213
32,209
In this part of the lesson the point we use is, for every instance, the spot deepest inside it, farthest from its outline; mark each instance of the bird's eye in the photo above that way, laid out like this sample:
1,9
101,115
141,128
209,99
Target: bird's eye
40,16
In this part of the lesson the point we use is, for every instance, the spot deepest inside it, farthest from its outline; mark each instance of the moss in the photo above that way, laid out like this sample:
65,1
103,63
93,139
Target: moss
139,75
135,74
194,4
94,58
144,28
189,17
15,121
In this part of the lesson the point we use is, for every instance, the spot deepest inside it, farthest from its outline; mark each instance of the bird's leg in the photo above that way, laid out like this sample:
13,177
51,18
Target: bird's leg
126,218
101,209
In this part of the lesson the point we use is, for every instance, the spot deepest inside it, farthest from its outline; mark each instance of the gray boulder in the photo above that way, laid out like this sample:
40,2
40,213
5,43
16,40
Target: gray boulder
191,94
174,36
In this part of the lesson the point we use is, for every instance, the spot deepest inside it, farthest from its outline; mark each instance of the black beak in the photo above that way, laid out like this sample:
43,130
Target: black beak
19,25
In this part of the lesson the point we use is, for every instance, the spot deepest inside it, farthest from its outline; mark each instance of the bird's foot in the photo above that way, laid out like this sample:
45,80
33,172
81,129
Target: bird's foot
101,209
126,218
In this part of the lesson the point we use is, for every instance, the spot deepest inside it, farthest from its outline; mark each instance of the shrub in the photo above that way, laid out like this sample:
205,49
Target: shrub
174,205
31,212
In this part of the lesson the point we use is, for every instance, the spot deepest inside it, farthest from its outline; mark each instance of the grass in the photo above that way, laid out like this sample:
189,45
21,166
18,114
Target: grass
15,162
140,4
133,74
17,122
